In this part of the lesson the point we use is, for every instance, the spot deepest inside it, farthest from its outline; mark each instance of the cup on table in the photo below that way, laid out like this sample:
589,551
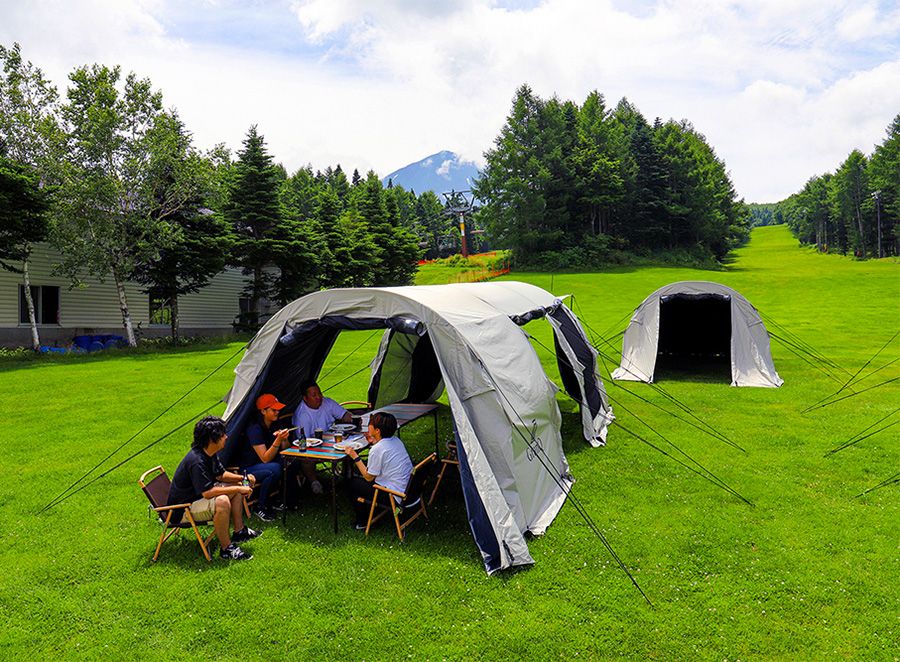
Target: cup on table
320,433
338,437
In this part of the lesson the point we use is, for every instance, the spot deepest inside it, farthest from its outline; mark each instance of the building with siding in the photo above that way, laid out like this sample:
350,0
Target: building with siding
63,313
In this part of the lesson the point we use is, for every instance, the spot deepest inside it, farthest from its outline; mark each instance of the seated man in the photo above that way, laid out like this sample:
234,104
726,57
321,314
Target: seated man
214,494
389,465
318,412
258,453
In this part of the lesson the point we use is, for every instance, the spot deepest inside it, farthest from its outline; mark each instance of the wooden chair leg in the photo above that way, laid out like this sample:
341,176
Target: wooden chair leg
163,537
197,533
438,483
371,512
394,509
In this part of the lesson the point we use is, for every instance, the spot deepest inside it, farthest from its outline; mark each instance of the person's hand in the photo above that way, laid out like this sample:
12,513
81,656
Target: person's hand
252,479
246,490
281,436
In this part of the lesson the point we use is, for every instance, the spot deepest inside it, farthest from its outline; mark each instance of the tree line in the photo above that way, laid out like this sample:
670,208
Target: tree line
568,185
854,210
111,178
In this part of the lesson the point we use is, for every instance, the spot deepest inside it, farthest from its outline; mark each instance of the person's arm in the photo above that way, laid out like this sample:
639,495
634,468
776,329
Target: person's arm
360,465
346,418
227,490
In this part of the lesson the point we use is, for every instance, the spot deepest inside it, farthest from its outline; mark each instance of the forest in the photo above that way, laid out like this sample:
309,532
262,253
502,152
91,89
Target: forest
111,178
854,210
569,186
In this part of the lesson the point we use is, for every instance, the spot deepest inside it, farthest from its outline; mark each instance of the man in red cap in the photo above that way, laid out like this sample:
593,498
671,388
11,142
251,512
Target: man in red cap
259,453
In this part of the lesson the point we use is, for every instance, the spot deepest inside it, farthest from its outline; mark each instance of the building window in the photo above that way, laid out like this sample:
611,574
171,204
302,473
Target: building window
46,304
160,309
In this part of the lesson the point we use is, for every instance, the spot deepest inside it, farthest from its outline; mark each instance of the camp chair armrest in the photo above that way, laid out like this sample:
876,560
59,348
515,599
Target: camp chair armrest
390,491
172,507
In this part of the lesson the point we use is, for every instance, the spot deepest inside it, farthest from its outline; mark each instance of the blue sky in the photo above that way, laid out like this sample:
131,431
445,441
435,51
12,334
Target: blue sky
783,89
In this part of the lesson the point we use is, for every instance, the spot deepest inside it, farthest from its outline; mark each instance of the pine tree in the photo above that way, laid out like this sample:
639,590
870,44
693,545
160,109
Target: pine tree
254,214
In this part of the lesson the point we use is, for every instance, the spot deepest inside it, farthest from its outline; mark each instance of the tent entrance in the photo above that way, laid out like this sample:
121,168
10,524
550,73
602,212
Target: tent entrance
694,336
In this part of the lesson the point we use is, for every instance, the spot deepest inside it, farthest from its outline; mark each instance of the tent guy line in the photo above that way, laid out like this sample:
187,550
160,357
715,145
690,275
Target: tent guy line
533,443
850,395
887,481
853,381
709,429
128,459
708,475
855,439
61,496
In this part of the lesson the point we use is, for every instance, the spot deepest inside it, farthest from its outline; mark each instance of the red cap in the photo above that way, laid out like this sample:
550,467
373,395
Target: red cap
268,401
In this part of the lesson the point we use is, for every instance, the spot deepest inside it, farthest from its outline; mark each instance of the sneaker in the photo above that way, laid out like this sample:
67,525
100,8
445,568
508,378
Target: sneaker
359,527
265,515
316,487
245,534
235,553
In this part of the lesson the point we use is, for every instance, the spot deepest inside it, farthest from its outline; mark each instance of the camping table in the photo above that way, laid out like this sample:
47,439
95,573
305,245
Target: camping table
324,453
404,413
407,413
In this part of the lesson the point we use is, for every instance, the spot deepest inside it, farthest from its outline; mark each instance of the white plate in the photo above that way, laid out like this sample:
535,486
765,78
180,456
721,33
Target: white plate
311,442
354,444
343,427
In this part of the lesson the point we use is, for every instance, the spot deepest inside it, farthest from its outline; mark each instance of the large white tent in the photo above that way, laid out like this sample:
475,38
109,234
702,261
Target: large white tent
698,319
465,338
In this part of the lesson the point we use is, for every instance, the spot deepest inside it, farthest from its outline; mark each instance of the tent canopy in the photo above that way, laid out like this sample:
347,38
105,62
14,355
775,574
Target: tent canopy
698,320
465,338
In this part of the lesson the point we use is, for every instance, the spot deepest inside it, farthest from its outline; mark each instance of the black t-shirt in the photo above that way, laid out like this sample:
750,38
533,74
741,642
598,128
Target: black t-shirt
256,435
196,474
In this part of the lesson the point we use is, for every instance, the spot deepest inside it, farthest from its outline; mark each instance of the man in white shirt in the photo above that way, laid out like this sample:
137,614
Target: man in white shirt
389,465
318,412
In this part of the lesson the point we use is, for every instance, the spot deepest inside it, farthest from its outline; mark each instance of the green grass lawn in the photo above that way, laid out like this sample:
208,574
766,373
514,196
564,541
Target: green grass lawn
810,572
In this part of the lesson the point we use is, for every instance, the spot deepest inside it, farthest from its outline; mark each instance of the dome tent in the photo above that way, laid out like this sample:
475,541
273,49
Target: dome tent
698,319
465,337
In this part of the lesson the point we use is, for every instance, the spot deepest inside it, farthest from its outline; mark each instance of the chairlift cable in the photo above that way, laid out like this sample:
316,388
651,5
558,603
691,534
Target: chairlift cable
58,500
136,434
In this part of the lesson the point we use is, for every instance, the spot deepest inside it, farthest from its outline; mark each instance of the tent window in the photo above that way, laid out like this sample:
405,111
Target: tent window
694,334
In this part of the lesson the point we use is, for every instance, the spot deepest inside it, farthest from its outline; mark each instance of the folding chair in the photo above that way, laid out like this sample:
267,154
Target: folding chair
409,501
157,491
452,459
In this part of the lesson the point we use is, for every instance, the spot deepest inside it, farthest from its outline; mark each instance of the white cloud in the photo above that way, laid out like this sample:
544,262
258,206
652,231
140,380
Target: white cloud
783,90
444,168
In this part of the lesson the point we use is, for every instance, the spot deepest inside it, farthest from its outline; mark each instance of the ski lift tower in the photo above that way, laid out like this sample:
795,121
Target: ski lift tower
461,206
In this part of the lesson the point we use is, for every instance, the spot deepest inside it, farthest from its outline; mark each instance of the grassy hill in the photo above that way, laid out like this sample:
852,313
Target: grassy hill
808,572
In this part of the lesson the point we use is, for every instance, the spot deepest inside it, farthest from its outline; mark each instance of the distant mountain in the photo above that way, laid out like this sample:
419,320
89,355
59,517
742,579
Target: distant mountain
439,173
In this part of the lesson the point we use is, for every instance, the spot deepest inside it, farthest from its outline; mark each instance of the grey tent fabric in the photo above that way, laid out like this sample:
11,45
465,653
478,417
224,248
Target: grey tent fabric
467,338
744,336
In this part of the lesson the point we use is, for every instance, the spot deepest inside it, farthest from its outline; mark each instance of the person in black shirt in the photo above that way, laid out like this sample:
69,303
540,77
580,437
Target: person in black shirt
214,494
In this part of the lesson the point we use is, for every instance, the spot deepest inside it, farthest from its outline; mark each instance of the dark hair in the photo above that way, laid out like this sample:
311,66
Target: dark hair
305,386
384,422
209,429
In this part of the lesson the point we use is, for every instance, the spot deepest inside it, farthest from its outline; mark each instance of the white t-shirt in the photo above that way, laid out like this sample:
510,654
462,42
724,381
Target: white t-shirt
323,417
390,464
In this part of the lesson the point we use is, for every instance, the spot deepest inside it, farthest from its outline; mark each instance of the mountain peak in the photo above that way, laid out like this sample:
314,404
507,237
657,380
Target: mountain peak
440,172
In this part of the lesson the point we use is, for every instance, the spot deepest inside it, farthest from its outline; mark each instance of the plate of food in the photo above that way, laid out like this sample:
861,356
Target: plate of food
343,427
355,444
311,442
